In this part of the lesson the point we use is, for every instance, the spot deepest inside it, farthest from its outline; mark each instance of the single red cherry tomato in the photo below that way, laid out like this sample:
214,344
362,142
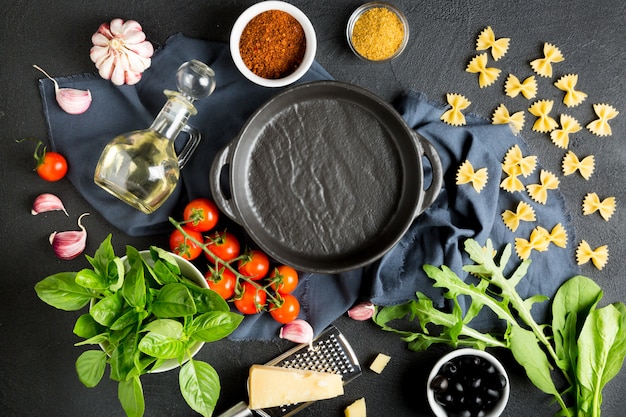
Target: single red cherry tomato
222,281
284,279
254,264
224,245
51,166
288,310
201,215
184,247
250,300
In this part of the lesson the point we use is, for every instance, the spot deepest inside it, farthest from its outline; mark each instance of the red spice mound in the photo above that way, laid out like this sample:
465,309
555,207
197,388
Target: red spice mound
272,44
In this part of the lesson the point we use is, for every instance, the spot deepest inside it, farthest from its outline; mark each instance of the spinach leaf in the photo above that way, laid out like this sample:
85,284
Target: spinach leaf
61,291
200,386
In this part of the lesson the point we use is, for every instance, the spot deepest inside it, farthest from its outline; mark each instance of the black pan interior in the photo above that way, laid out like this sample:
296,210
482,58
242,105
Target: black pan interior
326,177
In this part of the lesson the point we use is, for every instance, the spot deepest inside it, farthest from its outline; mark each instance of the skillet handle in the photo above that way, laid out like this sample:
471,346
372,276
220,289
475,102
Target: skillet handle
432,192
224,204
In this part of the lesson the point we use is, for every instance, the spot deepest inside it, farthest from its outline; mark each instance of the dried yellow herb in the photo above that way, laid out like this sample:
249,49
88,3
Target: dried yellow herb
377,34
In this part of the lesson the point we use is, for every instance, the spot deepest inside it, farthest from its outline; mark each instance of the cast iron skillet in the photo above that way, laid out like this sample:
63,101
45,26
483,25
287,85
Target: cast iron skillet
325,177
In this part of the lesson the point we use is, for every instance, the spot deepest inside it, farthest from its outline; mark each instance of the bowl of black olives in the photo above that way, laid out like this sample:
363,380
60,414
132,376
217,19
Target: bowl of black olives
468,383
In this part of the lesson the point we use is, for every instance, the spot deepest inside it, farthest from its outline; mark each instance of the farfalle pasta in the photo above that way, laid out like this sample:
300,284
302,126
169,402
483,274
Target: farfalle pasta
606,207
571,164
454,116
598,256
572,96
523,212
537,241
551,55
541,109
569,125
600,126
502,116
557,236
486,75
517,164
513,87
539,192
487,40
466,174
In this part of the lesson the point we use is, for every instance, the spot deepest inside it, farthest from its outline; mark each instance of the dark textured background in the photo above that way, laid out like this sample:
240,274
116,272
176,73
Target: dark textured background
36,352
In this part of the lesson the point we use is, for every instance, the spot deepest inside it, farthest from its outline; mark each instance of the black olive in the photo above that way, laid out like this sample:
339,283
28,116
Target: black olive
449,368
458,387
461,413
444,399
493,394
439,383
476,383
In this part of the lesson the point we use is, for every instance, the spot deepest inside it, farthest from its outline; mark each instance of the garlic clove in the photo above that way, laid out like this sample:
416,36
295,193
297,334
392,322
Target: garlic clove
298,331
71,100
68,245
47,202
362,311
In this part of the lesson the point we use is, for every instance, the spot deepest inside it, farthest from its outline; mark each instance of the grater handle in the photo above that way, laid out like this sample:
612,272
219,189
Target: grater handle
239,410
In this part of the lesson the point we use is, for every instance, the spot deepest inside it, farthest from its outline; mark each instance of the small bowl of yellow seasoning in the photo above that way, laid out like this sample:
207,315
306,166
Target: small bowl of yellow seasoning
377,31
273,43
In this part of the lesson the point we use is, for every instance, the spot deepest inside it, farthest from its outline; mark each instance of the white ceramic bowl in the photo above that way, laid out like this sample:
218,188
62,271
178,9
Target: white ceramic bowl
188,270
309,33
496,409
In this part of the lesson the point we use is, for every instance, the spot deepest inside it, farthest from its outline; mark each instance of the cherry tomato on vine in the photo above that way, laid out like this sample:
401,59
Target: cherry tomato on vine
283,279
201,215
251,300
224,245
184,247
254,264
222,281
288,310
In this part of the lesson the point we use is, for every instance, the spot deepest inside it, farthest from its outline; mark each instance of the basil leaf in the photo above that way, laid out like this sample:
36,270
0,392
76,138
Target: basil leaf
162,274
106,310
116,274
98,339
206,299
173,300
90,367
168,259
134,287
526,350
61,291
87,327
122,358
103,255
126,319
165,327
162,347
130,394
200,386
215,325
90,279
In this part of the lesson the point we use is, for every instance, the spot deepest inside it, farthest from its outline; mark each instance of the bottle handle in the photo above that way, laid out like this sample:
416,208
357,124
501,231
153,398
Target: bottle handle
190,145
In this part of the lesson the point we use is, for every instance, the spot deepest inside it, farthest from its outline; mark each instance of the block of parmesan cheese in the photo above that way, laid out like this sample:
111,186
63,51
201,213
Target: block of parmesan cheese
356,409
380,363
273,386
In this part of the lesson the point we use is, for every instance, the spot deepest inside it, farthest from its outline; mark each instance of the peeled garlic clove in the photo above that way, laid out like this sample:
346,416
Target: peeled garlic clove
47,202
68,245
298,331
71,100
362,311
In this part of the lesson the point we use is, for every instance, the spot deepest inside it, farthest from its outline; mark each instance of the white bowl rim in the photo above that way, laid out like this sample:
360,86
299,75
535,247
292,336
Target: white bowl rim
309,33
438,409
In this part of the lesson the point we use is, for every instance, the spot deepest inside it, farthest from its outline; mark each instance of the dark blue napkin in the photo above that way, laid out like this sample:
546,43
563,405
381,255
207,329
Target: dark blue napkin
436,237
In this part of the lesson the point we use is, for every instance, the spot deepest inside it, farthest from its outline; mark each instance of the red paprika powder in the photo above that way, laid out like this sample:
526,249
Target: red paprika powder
272,44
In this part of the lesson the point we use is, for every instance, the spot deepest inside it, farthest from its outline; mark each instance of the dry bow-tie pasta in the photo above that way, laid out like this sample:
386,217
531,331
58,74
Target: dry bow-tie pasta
543,66
487,39
516,163
572,97
560,137
571,164
454,116
539,192
486,75
523,212
600,126
557,236
501,116
592,203
513,86
599,256
467,174
541,109
537,241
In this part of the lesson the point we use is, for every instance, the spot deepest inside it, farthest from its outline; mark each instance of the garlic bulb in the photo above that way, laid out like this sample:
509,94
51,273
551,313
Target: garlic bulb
71,100
121,52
